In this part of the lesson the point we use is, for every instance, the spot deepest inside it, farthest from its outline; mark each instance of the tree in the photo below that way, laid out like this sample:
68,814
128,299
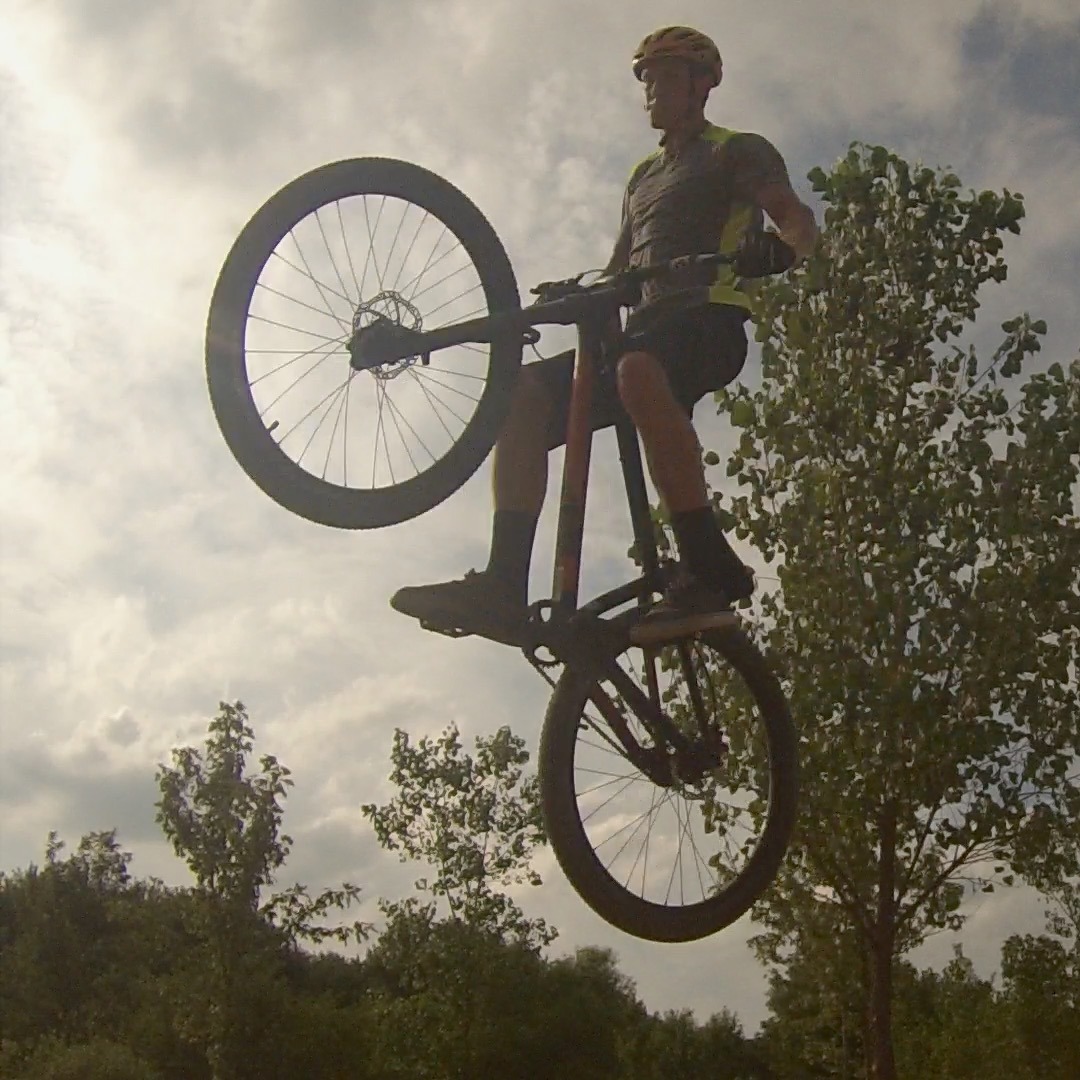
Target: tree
474,820
226,825
927,532
1041,980
817,1007
952,1025
85,956
61,930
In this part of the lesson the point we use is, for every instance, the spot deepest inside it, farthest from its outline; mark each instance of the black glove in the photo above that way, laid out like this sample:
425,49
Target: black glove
763,253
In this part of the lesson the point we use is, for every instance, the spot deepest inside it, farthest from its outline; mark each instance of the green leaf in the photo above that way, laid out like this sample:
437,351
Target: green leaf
742,413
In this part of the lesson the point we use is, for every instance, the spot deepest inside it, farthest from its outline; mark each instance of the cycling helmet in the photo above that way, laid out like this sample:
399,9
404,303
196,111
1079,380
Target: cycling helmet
683,43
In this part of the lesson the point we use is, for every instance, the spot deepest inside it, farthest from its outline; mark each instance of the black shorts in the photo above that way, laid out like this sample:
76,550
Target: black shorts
701,349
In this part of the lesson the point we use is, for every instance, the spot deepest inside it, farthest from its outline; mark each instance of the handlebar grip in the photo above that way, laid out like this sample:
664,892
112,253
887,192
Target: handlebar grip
762,254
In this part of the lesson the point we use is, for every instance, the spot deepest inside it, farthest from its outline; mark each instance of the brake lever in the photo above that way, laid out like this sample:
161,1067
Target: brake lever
555,289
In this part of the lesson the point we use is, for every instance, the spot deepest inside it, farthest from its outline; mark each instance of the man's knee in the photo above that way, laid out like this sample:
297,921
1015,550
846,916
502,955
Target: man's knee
642,383
531,401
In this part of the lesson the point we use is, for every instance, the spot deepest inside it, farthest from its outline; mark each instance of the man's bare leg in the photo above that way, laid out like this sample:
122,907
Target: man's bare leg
493,604
674,456
519,482
519,470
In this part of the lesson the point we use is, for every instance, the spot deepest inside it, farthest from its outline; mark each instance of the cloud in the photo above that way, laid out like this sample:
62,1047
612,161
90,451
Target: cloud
1032,67
144,577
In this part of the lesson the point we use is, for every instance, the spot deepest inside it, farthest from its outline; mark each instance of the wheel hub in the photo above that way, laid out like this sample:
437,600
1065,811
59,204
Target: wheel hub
702,760
386,310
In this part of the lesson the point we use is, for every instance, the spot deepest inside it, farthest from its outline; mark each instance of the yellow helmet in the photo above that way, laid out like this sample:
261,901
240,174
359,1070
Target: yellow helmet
683,43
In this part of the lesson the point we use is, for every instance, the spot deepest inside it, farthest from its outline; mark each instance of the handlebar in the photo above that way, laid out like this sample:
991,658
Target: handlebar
564,302
760,254
557,290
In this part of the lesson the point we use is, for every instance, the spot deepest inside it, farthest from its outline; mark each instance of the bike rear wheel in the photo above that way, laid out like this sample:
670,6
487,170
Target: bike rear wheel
339,247
668,847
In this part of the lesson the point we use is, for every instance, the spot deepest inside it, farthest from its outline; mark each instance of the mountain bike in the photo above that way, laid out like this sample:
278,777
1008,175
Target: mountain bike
363,340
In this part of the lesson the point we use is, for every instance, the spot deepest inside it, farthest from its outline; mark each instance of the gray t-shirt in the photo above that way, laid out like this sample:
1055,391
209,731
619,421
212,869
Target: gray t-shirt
682,203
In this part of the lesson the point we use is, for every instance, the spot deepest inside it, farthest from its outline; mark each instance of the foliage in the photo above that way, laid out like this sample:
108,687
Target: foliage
103,974
925,520
475,820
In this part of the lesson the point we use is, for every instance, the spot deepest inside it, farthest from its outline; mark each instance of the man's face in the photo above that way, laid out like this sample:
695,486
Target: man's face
669,91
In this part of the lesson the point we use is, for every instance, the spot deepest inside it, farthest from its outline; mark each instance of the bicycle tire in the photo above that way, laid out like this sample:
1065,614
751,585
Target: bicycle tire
613,900
248,425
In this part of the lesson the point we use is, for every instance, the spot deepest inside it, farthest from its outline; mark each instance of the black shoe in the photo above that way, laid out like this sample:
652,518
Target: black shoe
739,586
690,608
479,603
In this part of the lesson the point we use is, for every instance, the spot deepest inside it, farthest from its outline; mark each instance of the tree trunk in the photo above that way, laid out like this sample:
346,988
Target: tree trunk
881,981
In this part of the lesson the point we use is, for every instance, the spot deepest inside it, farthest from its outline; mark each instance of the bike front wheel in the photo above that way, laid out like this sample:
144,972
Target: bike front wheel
338,248
672,846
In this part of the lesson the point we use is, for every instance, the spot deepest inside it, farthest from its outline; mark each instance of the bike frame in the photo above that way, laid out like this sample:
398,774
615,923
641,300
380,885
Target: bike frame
595,312
570,632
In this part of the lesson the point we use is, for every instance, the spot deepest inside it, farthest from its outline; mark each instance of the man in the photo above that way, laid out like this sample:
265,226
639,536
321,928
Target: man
703,190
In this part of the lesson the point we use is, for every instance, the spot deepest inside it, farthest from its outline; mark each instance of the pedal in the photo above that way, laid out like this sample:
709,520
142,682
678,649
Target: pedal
665,631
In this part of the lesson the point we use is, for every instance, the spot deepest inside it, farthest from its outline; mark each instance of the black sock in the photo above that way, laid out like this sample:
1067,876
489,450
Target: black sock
512,535
705,550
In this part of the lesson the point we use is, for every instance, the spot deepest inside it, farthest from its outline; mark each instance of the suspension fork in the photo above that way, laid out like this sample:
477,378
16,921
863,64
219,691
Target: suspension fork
644,537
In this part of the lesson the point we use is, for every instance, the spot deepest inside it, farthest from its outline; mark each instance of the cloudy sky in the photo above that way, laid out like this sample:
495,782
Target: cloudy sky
145,577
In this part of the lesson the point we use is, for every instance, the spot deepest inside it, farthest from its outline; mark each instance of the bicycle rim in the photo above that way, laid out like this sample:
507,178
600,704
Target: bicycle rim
341,247
669,849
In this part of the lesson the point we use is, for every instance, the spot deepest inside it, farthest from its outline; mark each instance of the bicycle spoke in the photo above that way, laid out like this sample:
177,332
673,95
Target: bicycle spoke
348,253
653,810
462,374
614,746
675,842
380,392
428,265
412,244
345,443
435,284
432,397
615,835
645,820
293,300
397,234
321,286
601,772
371,237
294,329
394,412
615,795
341,266
296,382
337,422
468,314
330,254
368,257
697,854
295,356
608,783
426,376
398,414
303,258
311,438
677,865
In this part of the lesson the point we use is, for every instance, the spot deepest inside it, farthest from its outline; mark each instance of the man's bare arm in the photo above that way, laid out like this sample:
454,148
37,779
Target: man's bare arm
793,218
